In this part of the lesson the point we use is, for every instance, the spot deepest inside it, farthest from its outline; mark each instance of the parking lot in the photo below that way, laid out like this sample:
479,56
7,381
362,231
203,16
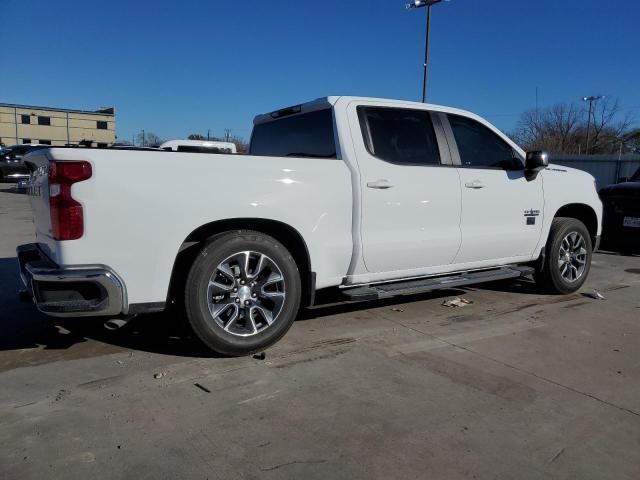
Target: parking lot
515,385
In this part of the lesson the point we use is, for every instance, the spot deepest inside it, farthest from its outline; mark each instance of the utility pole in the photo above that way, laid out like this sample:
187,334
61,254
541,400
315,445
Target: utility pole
143,142
227,134
428,4
591,99
207,134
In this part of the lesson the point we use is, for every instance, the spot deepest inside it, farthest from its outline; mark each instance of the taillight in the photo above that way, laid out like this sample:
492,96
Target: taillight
67,219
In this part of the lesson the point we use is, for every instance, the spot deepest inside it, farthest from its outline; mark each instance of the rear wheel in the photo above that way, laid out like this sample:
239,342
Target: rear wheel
242,293
567,257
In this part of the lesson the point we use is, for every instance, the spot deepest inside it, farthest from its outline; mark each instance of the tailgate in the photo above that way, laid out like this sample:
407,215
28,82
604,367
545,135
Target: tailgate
38,193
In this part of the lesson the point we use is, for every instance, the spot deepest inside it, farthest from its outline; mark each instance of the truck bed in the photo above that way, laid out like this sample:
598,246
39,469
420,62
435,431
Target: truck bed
140,206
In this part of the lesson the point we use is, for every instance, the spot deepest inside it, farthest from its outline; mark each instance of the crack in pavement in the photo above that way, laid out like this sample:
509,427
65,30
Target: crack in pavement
275,467
557,456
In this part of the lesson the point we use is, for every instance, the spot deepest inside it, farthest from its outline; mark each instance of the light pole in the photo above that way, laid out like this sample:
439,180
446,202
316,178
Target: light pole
428,4
591,99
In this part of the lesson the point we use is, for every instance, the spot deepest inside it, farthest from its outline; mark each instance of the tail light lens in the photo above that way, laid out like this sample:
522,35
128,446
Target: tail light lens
67,218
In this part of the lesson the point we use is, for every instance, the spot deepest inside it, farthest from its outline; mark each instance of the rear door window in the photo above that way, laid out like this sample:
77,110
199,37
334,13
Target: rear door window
305,135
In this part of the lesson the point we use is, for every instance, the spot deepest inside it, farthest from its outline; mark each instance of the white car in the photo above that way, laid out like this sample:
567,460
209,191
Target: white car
373,197
199,146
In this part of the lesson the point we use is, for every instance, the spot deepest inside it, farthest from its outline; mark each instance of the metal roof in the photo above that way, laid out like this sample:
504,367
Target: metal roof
101,111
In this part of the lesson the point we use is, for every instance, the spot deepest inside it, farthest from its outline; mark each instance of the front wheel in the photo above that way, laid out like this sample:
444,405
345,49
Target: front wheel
242,293
567,257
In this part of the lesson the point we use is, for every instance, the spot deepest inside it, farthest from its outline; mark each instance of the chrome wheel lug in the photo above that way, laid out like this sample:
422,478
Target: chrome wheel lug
241,282
235,290
247,302
237,300
254,294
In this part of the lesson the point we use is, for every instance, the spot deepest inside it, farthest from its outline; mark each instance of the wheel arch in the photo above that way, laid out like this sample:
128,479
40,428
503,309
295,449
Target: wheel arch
282,232
583,212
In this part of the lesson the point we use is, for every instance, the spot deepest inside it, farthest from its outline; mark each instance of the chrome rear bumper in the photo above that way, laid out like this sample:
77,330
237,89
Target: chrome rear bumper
92,290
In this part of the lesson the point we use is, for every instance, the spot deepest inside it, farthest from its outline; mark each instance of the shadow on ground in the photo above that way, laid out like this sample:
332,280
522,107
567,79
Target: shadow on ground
24,328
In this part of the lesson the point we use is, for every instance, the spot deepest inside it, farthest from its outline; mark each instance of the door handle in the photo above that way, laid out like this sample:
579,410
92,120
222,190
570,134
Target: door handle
381,184
476,184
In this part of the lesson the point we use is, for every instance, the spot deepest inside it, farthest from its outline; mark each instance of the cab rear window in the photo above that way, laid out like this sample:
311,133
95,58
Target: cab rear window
304,135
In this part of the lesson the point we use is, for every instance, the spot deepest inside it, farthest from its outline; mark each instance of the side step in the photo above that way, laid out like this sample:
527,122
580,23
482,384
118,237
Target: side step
422,285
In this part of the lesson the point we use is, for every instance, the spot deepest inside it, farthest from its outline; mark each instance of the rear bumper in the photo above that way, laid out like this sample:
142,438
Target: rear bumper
91,290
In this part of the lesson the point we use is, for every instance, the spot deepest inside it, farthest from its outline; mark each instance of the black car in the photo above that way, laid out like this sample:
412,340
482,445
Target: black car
621,219
12,169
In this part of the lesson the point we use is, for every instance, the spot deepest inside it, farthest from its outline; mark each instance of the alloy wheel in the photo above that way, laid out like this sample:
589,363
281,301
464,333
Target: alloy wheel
572,257
246,293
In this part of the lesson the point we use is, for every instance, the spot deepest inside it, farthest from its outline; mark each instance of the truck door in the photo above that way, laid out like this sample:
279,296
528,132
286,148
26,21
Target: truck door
410,191
501,205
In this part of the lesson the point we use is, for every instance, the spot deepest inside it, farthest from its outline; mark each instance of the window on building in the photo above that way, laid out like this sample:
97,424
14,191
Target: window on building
44,120
479,147
26,140
305,135
102,125
26,119
399,135
44,142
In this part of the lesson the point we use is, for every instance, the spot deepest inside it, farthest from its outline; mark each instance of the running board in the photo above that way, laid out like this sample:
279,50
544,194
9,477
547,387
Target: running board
422,285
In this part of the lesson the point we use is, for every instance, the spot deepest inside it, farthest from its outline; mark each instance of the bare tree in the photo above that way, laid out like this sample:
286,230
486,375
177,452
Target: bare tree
241,145
606,131
196,136
149,139
562,128
551,129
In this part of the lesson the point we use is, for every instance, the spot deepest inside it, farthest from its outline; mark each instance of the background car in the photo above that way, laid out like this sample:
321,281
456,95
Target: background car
199,146
12,169
621,221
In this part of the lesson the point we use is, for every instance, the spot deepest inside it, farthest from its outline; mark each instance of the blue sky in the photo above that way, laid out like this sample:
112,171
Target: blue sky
175,68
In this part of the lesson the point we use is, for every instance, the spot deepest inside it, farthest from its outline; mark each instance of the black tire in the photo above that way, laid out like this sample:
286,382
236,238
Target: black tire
549,277
219,248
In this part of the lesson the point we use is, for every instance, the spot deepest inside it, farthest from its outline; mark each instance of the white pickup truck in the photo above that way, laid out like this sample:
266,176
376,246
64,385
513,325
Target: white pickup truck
372,197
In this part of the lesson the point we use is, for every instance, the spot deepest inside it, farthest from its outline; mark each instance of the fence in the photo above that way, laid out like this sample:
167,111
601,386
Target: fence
606,169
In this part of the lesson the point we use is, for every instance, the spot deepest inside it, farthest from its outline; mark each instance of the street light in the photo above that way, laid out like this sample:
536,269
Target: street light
428,4
591,99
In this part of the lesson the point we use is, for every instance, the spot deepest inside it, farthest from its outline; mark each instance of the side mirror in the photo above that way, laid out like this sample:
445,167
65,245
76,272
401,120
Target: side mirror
623,179
536,161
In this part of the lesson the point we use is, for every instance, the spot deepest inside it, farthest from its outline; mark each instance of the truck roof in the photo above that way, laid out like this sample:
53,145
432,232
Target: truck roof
329,101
